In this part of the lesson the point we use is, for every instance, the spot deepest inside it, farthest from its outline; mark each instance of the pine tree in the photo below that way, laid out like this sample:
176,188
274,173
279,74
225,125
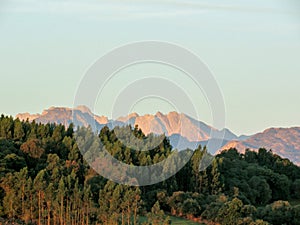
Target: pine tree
60,199
216,185
157,216
39,185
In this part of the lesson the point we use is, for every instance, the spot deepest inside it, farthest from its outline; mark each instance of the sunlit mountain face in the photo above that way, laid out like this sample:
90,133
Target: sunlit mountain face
182,130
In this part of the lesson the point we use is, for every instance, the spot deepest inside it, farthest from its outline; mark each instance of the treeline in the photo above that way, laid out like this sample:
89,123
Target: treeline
45,180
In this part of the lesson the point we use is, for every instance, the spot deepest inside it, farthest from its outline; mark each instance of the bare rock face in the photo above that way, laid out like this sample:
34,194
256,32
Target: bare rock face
128,118
101,119
173,123
25,116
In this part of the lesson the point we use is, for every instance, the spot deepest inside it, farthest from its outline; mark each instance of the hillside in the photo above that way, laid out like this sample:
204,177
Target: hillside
283,141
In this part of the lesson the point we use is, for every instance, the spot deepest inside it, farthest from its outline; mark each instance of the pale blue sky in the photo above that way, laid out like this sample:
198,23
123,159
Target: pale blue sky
252,48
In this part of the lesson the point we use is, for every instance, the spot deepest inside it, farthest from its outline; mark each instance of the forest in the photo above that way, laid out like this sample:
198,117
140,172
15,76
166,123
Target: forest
45,180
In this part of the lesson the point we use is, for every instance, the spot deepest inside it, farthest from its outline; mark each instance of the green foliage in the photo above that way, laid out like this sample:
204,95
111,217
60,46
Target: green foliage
258,180
44,179
260,190
230,212
279,212
296,189
156,216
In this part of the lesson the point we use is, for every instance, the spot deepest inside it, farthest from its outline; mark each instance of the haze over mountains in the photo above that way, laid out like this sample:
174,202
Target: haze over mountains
182,130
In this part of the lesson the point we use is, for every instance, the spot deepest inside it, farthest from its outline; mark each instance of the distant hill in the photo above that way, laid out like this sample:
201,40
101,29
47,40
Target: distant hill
283,141
182,130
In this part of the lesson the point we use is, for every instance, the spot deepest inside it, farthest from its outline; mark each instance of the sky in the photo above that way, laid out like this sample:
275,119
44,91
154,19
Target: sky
252,48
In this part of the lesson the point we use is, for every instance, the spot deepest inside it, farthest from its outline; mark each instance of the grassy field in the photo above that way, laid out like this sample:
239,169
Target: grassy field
175,221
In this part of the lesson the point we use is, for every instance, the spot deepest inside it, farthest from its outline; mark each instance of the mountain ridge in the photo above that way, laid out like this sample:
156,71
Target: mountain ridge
159,123
182,130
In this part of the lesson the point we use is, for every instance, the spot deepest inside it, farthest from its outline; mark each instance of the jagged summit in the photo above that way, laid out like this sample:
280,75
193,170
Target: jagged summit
159,123
283,141
83,109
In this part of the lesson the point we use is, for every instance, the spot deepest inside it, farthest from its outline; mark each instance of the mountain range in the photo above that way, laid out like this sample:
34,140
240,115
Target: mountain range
182,130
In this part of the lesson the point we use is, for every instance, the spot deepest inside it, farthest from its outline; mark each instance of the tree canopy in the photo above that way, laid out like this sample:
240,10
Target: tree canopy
44,179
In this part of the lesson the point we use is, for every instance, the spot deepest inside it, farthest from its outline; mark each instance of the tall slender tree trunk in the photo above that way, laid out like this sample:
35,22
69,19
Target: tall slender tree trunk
49,214
128,214
54,218
39,206
61,210
123,222
67,212
135,214
42,214
82,219
31,208
23,202
87,215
